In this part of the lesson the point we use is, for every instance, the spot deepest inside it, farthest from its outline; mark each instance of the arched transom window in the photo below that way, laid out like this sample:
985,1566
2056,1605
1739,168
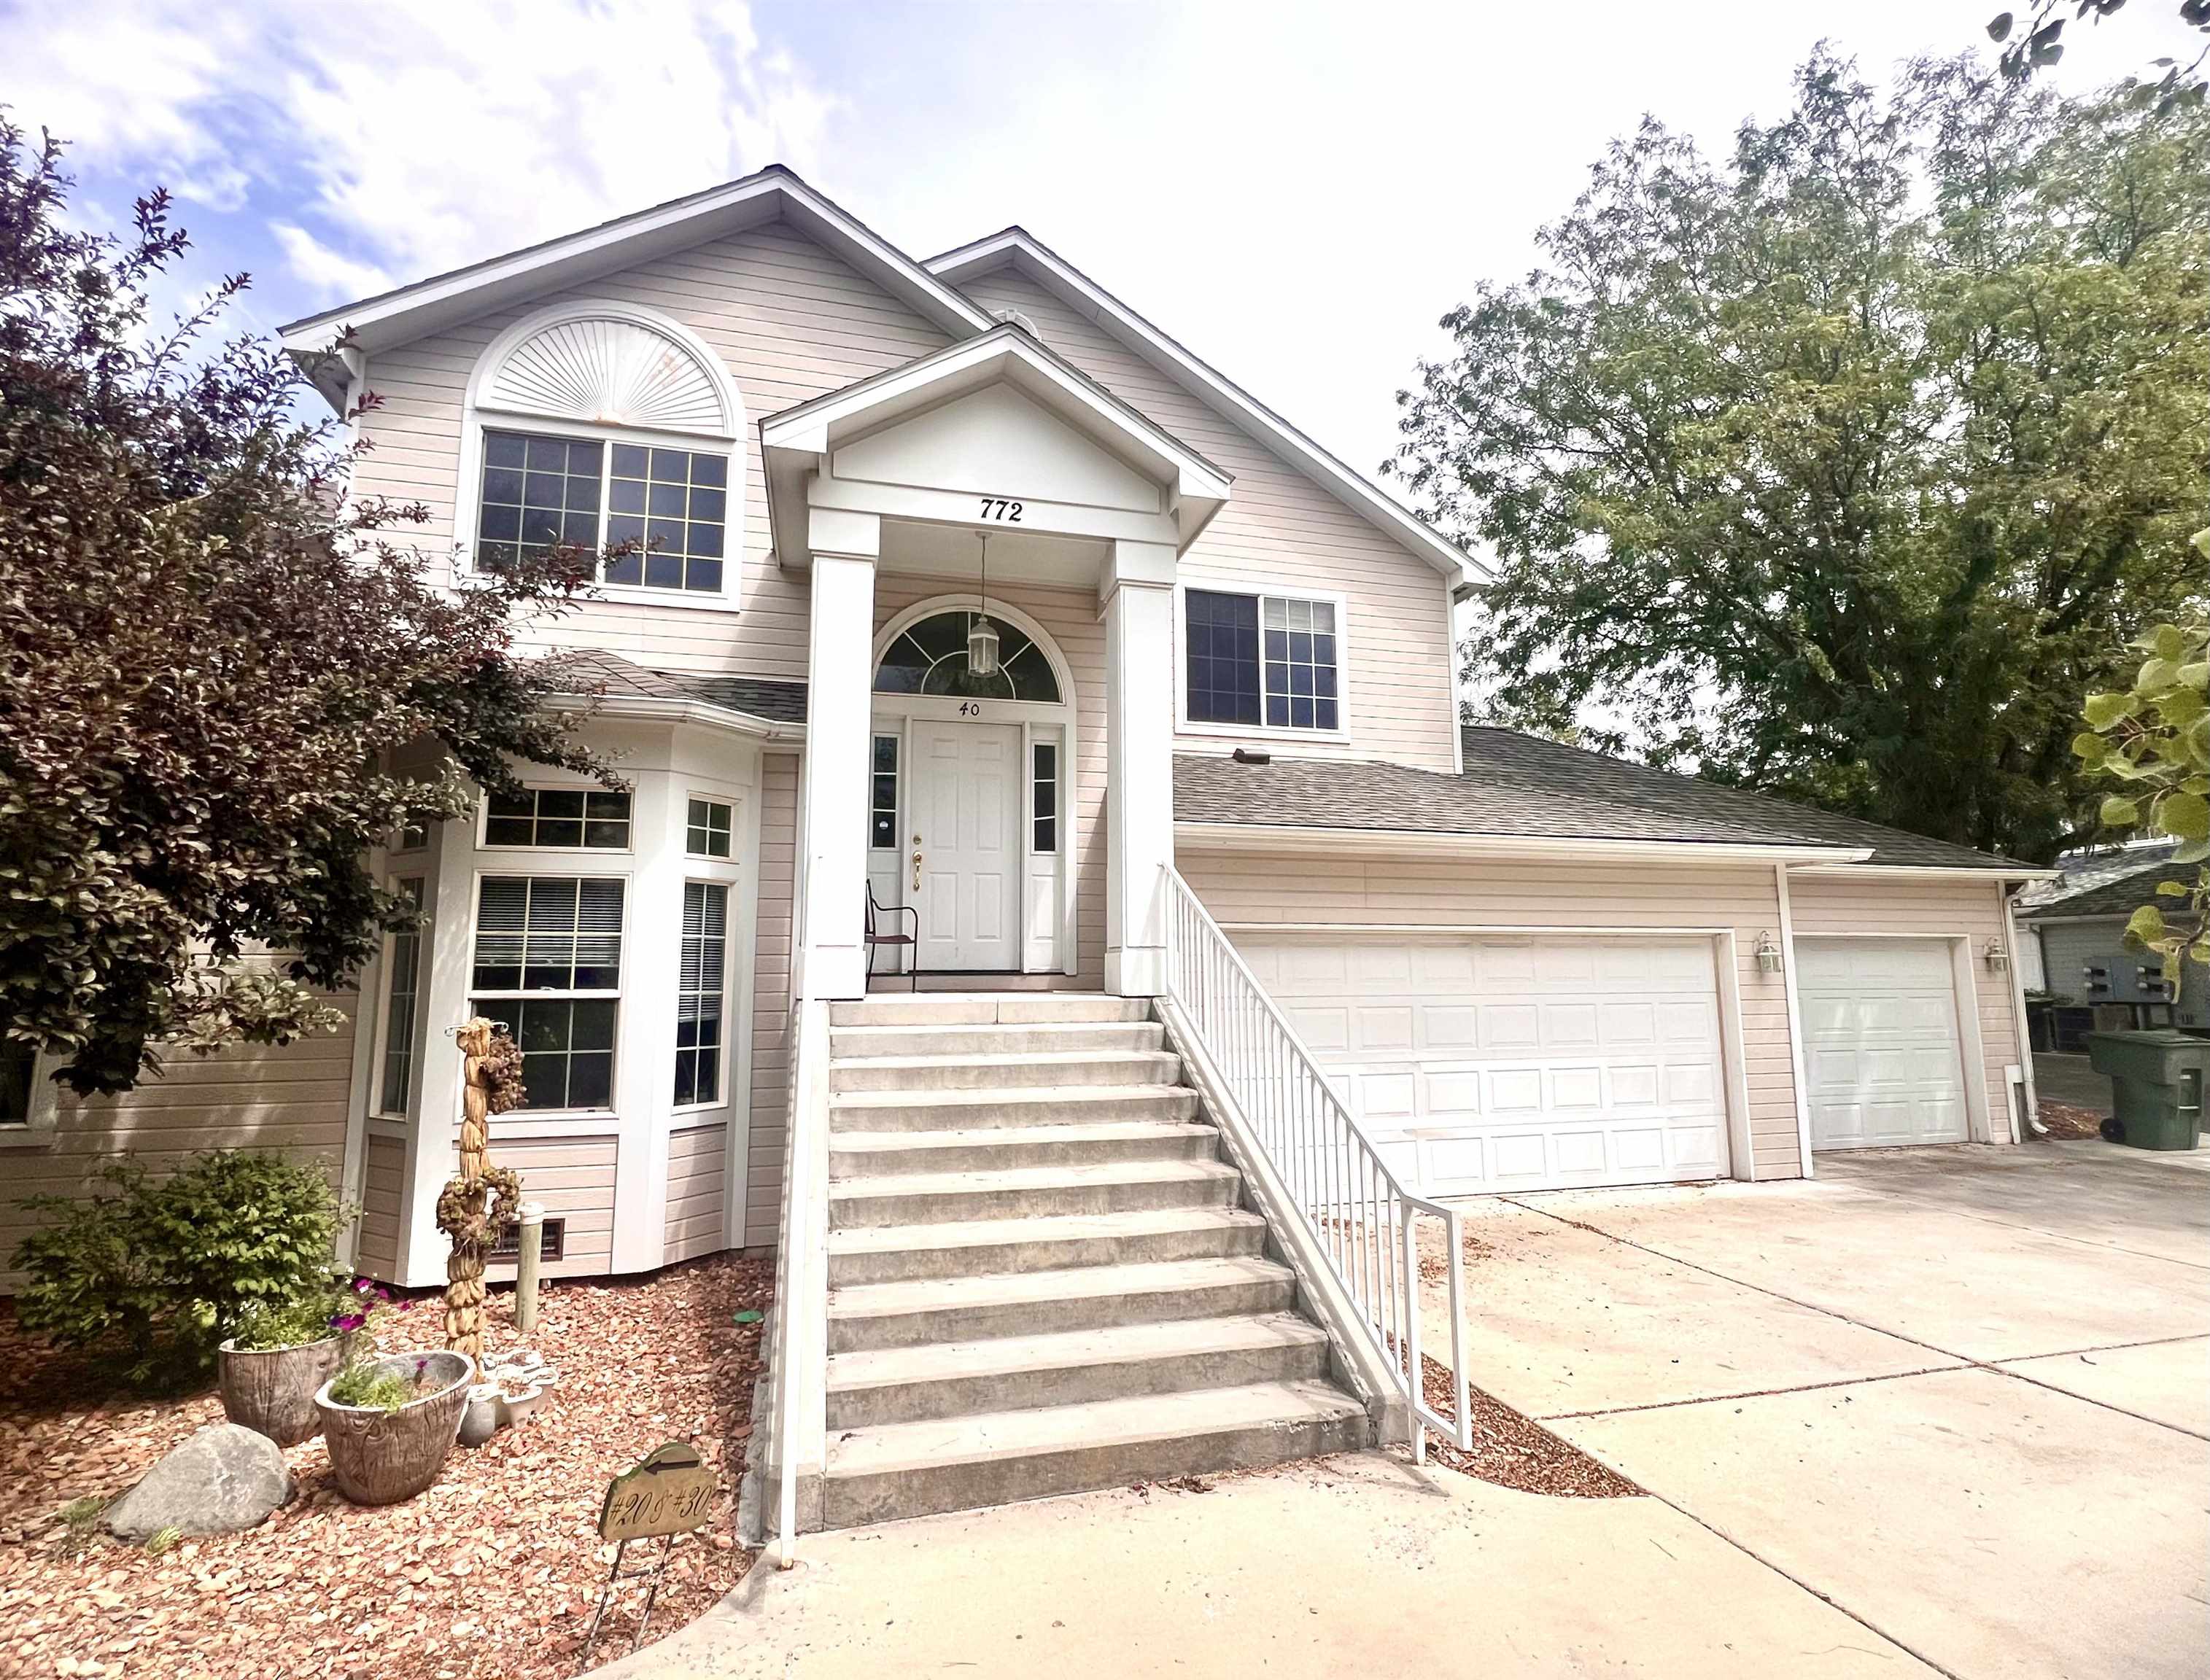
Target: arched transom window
930,656
614,431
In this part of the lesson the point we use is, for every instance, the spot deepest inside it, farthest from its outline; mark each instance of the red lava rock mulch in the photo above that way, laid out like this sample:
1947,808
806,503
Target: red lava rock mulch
1514,1451
491,1574
2064,1120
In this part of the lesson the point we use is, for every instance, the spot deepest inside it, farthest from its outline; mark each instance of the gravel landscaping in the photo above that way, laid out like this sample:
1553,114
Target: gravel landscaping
490,1575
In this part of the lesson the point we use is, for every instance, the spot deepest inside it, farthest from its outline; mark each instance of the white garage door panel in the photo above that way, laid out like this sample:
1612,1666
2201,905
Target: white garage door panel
1514,1064
1883,1055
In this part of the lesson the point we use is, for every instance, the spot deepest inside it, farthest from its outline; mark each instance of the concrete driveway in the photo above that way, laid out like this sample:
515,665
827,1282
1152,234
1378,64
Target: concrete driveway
1961,1394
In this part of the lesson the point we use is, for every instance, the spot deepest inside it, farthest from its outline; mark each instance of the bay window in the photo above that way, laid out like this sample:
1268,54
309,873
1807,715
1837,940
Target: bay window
548,966
699,991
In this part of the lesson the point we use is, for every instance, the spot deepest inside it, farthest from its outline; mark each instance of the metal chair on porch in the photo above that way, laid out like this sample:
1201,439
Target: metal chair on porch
878,915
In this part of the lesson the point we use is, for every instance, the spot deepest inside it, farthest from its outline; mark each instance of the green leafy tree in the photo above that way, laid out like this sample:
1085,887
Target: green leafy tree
2153,737
1839,469
206,653
2038,41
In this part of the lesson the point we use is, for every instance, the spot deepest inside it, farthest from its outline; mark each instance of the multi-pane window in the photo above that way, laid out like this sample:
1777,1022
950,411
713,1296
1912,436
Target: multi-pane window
882,793
706,828
1286,677
548,967
402,1005
559,816
698,993
1044,781
672,504
930,656
537,491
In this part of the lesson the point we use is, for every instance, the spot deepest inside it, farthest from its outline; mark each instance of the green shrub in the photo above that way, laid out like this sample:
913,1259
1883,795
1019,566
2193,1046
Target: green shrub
264,1325
160,1271
363,1384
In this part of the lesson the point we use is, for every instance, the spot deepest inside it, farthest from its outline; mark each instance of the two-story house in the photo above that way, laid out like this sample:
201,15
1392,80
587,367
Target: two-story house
970,607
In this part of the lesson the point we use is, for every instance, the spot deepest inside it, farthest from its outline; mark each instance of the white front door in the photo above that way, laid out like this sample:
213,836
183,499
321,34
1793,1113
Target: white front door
966,807
1514,1064
1880,1045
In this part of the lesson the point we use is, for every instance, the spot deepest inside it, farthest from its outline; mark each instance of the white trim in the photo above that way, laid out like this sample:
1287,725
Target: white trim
1871,872
1222,584
379,1039
1971,1051
43,1111
495,865
468,497
1093,301
489,364
702,712
570,782
1427,842
2023,1032
1505,930
1794,1020
1726,979
736,1168
412,311
898,711
695,1114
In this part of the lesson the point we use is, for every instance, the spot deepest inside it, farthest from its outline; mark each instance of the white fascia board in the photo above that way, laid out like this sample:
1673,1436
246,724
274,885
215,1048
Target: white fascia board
1080,292
702,712
815,427
410,311
1403,842
2027,918
1868,871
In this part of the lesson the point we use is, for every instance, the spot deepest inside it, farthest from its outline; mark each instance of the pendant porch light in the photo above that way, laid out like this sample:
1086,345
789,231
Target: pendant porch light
982,633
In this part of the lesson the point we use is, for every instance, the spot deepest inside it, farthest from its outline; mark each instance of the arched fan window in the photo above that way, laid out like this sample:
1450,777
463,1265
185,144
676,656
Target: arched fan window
608,429
930,656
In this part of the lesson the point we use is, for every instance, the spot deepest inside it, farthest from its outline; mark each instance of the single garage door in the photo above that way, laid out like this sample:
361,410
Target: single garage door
1514,1064
1882,1052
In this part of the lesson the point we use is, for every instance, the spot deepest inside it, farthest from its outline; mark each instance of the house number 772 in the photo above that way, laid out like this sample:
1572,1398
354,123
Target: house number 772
996,507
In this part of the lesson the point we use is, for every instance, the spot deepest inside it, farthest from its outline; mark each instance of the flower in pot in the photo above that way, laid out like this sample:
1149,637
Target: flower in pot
283,1351
390,1422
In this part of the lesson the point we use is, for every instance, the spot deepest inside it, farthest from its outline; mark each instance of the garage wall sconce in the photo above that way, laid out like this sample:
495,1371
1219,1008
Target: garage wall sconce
1768,954
1996,958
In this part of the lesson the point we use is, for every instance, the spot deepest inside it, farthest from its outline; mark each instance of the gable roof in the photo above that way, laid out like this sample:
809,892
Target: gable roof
2109,897
1017,247
1520,786
410,312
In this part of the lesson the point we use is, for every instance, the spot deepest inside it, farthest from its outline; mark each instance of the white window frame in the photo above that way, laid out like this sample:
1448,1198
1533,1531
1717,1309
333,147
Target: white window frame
727,805
478,417
527,1117
1261,592
377,1111
484,843
727,1057
36,1131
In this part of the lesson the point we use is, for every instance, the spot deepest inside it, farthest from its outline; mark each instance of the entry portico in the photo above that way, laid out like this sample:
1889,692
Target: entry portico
994,451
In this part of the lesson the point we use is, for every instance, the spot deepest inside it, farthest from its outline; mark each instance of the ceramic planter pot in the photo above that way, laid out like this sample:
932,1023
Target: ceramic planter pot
272,1390
380,1457
480,1418
519,1403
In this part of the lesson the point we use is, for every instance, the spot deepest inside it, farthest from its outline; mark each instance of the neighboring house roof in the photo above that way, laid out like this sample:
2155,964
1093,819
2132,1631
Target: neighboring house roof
2107,897
2080,871
410,312
1018,247
1522,787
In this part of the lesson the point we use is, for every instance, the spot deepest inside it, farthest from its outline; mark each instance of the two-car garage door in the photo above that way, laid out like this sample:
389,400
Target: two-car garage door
1493,1063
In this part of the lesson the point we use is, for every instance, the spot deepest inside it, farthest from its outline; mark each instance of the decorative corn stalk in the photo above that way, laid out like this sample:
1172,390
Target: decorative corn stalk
480,1200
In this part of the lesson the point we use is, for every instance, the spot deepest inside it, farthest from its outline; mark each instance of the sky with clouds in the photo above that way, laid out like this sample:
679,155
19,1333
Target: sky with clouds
1296,191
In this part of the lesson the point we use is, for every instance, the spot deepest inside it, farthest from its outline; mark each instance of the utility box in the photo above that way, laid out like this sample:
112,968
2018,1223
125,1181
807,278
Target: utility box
2156,1082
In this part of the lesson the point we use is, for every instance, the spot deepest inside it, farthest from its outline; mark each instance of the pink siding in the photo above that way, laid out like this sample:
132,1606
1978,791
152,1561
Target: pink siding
695,1162
574,1179
1281,528
382,1180
771,1025
1250,889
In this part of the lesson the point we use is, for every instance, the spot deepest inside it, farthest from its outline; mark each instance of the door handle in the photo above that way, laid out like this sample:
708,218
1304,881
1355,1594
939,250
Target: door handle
916,869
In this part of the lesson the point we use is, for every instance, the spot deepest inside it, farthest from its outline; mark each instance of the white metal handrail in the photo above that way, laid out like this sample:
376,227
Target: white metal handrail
1360,1214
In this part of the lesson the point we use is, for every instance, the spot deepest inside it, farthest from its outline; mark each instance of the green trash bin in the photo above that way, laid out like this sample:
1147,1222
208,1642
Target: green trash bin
2156,1083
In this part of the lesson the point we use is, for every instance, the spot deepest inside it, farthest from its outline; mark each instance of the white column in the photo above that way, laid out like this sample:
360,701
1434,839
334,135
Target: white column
1136,592
833,797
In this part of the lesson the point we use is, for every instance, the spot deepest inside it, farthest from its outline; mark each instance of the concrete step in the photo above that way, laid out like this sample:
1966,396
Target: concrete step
899,1385
997,1148
1038,1105
1037,1304
853,1043
1030,1192
970,1248
985,1009
904,1470
1017,1071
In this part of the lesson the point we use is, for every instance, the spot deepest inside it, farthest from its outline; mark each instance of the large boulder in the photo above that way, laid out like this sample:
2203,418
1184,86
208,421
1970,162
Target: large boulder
225,1477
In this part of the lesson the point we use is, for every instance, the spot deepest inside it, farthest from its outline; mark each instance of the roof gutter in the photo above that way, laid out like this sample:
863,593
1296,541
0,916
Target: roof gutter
704,714
1930,871
1432,843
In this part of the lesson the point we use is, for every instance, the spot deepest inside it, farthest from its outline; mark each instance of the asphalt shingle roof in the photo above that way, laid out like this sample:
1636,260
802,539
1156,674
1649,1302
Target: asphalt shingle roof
1520,785
765,697
2110,896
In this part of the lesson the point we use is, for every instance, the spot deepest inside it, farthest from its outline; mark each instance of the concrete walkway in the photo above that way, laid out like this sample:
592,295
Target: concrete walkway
1357,1565
1962,1394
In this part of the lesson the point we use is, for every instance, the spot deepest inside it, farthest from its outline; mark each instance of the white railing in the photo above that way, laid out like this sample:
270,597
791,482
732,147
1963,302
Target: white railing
1358,1212
800,1275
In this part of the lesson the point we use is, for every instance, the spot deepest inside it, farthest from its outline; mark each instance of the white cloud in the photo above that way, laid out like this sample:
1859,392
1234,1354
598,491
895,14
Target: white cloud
416,135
